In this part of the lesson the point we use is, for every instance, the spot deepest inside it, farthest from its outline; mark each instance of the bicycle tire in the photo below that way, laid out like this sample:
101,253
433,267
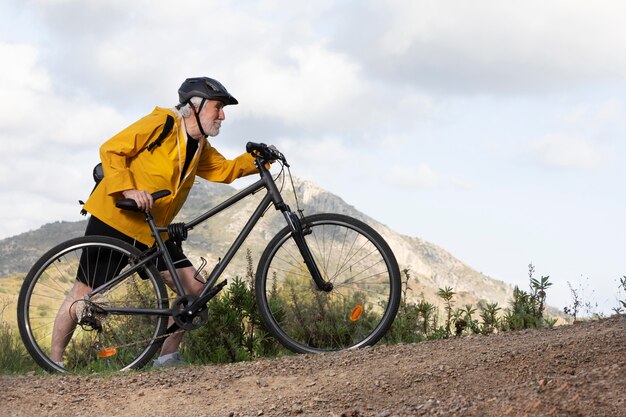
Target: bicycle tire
366,286
135,338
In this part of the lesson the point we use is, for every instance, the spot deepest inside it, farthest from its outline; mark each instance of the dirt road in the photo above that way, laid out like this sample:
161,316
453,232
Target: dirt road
577,370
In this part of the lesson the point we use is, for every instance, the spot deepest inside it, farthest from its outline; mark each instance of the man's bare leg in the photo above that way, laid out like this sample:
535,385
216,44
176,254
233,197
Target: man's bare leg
64,324
191,286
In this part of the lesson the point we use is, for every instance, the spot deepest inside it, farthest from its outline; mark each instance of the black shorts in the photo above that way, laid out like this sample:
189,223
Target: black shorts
96,268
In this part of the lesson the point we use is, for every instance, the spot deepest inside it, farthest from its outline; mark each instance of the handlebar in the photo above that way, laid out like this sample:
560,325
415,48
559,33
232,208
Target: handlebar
268,154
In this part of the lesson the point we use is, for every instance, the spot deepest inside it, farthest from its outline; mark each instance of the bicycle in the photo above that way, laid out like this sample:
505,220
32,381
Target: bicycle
325,282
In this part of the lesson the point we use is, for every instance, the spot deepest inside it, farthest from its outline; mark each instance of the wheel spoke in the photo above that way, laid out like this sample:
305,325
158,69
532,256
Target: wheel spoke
366,286
46,301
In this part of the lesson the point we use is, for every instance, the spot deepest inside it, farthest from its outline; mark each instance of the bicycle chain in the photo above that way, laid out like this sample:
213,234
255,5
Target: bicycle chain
163,336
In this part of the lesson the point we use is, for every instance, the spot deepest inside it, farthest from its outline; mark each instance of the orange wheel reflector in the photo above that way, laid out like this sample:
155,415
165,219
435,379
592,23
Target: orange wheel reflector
107,352
356,313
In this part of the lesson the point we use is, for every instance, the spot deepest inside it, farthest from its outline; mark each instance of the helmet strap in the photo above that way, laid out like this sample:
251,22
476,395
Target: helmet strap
197,116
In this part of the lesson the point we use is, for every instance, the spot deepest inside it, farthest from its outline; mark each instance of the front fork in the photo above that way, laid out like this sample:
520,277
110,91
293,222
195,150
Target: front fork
298,233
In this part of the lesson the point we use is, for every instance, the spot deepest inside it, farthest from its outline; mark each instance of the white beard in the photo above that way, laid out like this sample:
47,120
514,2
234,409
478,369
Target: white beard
213,129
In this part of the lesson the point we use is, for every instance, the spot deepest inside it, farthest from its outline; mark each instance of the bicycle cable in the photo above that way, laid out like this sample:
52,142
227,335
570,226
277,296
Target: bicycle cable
295,194
282,185
293,187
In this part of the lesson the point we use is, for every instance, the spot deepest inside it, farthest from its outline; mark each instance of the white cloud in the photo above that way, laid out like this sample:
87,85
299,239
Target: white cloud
318,155
490,46
50,142
32,108
22,83
566,151
418,176
595,117
462,183
317,86
586,137
392,142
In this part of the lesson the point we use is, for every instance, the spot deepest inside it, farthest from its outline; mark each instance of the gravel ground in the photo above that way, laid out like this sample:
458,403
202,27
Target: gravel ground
577,370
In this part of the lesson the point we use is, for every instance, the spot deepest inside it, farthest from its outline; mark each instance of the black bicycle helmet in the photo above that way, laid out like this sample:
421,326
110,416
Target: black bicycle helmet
204,87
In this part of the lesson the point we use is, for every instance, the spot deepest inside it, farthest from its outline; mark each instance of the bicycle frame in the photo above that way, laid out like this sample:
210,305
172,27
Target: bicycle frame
272,196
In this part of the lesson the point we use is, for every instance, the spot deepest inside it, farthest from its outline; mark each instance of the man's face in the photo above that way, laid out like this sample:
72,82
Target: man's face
211,117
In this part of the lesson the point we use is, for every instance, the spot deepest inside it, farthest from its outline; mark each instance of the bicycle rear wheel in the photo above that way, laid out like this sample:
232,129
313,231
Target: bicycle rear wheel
366,286
101,341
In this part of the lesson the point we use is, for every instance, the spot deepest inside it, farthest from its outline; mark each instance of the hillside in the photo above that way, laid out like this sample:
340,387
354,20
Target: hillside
569,371
19,253
431,266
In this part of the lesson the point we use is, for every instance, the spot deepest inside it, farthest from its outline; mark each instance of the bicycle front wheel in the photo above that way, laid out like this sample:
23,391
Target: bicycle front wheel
365,297
55,318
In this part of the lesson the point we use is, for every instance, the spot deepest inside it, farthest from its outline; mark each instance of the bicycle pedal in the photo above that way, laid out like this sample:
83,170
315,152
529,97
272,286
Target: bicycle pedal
221,285
107,352
213,292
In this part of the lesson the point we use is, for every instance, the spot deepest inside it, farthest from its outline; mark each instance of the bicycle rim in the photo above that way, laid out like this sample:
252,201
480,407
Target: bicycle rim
126,341
366,287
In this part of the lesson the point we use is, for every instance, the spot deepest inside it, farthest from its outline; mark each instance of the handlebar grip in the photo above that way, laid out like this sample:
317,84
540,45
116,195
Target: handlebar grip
130,204
256,147
160,194
267,153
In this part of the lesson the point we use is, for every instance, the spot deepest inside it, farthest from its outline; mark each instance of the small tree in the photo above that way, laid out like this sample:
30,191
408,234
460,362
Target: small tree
572,310
468,316
405,288
489,315
459,322
425,312
538,289
527,307
405,328
622,303
447,294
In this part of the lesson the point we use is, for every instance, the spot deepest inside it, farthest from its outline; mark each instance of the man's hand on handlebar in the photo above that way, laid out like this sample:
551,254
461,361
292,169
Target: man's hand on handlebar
273,148
268,152
142,198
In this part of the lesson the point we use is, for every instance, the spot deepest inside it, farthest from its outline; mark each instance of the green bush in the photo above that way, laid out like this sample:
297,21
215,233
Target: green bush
406,327
413,321
13,355
419,321
621,307
489,315
527,308
234,331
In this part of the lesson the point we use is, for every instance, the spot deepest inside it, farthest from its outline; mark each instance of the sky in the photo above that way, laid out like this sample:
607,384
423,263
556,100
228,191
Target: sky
493,129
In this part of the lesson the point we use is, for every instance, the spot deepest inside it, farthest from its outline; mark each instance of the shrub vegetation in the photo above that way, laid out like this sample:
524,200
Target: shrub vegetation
234,331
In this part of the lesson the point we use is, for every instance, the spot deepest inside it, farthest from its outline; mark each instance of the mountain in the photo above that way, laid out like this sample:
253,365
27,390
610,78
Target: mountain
19,253
430,266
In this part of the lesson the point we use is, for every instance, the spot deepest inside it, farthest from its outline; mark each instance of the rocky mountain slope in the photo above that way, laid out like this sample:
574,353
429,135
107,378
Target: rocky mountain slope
431,266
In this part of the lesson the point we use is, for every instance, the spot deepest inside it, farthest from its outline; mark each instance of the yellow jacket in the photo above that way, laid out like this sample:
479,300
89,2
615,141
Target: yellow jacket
128,164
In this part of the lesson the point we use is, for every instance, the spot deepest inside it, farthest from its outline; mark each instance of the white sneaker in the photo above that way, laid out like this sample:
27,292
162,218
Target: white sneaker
171,360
